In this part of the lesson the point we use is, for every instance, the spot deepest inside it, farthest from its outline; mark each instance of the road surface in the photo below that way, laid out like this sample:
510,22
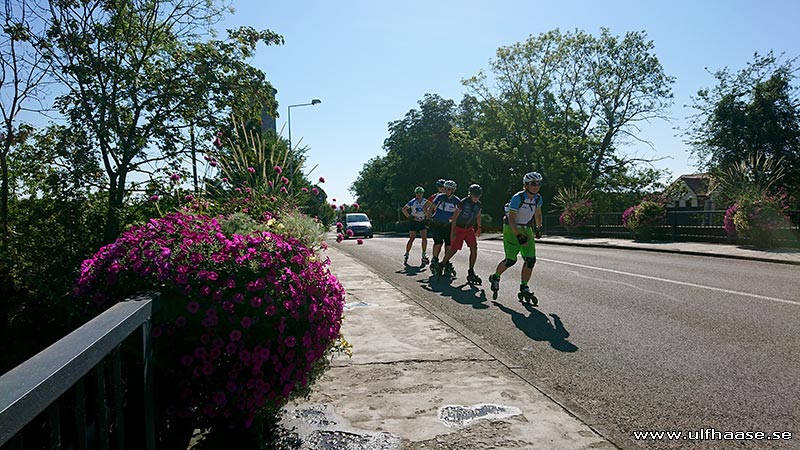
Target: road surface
632,341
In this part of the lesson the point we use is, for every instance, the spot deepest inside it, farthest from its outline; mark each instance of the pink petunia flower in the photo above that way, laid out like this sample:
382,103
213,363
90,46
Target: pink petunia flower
360,242
321,179
251,170
154,198
315,191
278,169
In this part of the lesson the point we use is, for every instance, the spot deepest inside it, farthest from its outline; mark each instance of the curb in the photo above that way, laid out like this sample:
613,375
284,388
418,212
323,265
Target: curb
613,436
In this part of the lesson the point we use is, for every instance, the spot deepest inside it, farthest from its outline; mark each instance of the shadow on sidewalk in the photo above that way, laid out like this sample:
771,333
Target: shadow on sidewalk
412,270
538,327
473,296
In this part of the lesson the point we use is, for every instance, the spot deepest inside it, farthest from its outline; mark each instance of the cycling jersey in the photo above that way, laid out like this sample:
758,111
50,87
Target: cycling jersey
469,213
416,208
524,206
445,207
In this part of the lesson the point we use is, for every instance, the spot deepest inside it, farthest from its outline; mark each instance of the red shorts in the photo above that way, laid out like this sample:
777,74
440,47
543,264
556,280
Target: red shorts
464,235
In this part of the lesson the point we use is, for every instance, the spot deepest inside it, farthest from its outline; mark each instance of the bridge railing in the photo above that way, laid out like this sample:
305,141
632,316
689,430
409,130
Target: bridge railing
680,225
31,394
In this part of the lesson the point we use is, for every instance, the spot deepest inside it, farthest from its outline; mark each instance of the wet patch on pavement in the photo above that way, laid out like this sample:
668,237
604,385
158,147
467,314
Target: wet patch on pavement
359,304
460,416
319,427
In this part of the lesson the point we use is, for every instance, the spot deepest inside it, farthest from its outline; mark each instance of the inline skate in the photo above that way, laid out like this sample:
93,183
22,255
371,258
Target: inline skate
525,295
473,279
494,283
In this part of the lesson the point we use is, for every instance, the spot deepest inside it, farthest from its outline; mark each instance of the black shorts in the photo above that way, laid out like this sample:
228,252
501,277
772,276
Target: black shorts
441,233
417,225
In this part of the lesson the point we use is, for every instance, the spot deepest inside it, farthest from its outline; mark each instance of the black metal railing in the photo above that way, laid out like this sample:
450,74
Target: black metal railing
62,377
680,225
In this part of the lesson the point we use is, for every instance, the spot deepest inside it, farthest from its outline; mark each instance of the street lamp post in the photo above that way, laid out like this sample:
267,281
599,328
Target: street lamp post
289,115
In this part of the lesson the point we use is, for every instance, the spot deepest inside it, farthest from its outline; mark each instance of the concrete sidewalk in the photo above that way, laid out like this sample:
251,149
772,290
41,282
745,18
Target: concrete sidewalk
415,383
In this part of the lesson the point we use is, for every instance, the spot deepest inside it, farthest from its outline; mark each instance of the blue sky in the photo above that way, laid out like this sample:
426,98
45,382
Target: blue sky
371,61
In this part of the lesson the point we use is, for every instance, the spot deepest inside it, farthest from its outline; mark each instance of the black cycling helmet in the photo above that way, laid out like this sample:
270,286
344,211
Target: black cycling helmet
475,189
440,182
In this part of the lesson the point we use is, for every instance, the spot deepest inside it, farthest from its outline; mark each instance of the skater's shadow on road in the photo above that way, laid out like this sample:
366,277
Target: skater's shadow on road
411,270
472,296
538,327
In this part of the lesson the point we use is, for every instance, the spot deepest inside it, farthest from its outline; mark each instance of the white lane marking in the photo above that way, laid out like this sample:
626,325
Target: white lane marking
682,283
630,285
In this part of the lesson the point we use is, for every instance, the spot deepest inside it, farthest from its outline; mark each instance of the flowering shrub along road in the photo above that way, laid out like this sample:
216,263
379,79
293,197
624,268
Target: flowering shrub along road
761,219
576,215
643,218
242,318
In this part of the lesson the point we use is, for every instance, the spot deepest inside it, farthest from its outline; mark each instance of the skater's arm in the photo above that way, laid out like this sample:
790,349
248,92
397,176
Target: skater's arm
512,221
405,211
453,222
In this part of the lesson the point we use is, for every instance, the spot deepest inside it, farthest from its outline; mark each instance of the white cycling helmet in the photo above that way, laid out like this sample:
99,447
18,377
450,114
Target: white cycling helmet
531,176
450,184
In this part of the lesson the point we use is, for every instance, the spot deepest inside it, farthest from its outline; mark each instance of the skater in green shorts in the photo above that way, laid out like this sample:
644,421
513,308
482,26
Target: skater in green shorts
521,224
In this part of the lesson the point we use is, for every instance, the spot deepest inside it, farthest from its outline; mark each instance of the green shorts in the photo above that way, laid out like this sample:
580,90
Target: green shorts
511,245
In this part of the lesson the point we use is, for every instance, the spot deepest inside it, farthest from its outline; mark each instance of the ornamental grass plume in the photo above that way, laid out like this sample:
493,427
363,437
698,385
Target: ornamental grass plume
242,318
576,206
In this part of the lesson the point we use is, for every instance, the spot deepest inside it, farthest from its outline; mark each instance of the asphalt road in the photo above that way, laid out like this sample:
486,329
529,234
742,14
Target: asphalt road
632,341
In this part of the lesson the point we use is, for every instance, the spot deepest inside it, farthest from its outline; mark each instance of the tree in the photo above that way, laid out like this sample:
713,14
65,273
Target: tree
374,194
23,80
751,115
139,78
566,101
419,150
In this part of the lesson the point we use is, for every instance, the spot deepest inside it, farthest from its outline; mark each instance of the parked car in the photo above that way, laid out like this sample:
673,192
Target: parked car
359,223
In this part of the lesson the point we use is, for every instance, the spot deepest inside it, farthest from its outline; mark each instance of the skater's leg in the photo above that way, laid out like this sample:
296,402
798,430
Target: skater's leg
448,254
473,255
411,236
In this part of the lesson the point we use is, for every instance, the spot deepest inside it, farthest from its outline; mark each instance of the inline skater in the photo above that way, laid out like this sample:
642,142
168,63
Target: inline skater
415,211
466,226
443,206
521,224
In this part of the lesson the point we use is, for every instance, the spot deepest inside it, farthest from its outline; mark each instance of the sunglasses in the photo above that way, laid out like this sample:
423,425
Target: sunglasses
534,183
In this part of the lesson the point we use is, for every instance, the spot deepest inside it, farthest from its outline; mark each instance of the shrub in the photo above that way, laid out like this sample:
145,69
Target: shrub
576,206
728,221
242,317
643,218
576,215
762,219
